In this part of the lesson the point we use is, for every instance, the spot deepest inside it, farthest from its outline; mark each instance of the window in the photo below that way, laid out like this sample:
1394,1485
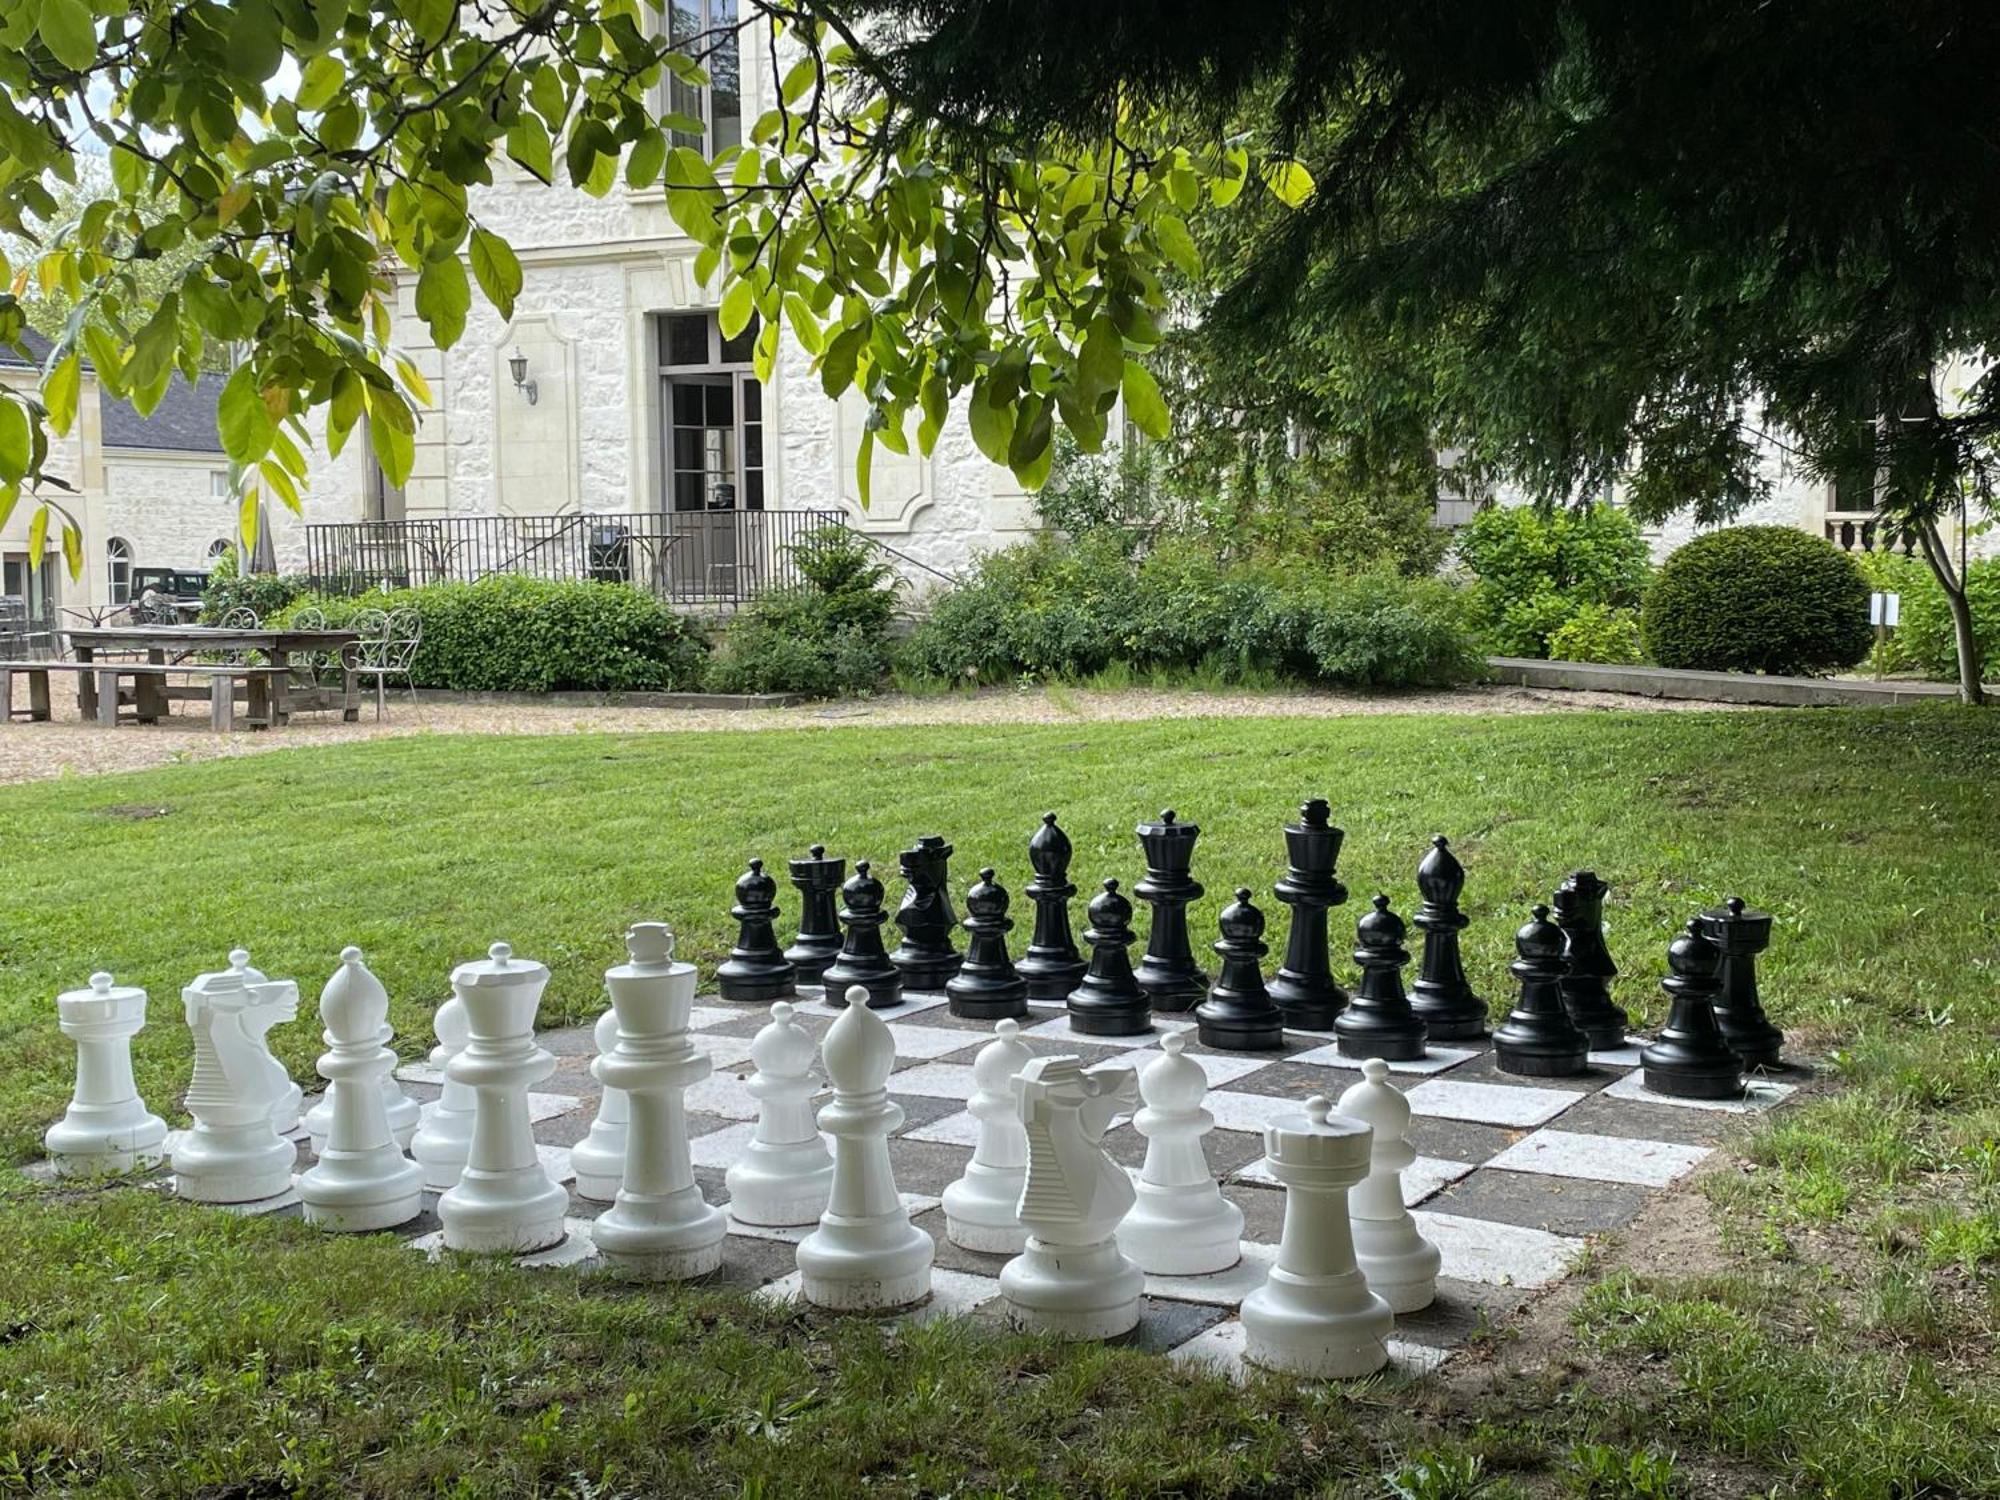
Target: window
706,30
218,485
711,416
218,549
118,570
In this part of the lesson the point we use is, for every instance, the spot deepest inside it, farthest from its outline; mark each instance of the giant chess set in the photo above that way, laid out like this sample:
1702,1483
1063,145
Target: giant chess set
1271,1171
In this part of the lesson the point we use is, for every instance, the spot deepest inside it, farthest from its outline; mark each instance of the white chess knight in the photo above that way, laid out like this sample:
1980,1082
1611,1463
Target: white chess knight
444,1135
1401,1265
234,1153
865,1253
503,1200
362,1180
599,1158
1314,1314
981,1208
660,1227
1180,1225
785,1174
107,1127
1071,1279
286,1097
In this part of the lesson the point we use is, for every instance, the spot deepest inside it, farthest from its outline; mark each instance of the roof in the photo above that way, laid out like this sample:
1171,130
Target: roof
183,422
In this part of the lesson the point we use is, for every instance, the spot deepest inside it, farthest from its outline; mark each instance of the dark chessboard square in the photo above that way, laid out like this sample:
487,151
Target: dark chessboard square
1462,1309
1460,1140
749,1263
1091,1053
1560,1205
927,1167
567,1129
1164,1325
921,1109
572,1075
1228,1150
952,1257
1290,1080
1643,1120
754,1020
1486,1068
1263,1211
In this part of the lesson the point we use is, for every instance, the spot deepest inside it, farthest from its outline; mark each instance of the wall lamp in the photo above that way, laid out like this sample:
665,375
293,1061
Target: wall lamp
518,367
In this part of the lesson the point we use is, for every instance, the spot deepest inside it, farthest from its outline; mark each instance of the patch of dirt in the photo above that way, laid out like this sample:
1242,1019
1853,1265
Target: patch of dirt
136,812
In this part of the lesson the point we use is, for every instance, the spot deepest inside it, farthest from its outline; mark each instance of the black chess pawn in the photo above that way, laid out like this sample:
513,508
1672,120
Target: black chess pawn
862,959
1107,1001
1239,1014
1586,987
1538,1039
1742,933
986,988
1378,1021
1304,986
1051,964
1442,995
755,968
926,956
1168,974
818,880
1690,1059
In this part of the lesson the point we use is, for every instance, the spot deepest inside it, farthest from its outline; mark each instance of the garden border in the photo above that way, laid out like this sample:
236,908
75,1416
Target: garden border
1716,687
590,698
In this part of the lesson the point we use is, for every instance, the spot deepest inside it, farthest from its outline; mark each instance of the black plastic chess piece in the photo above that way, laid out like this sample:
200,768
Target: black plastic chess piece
818,880
1586,987
1442,994
926,956
1239,1014
1538,1039
1304,986
1168,973
1690,1059
1051,965
862,959
1378,1021
755,968
986,988
1742,933
1107,1001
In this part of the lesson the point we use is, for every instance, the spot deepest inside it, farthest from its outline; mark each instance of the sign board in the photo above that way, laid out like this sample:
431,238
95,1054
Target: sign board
1885,609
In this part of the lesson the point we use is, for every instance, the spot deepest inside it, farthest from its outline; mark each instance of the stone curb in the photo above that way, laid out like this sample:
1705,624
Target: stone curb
617,700
1715,687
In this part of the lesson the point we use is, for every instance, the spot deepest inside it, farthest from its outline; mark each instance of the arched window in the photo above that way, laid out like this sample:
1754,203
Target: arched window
118,570
218,549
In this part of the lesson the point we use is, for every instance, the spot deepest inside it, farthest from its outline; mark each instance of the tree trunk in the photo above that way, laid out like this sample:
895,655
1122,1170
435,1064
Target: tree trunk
1970,690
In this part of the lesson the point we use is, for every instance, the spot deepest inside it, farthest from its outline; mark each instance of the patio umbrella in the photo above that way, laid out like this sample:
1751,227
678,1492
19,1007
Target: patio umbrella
263,557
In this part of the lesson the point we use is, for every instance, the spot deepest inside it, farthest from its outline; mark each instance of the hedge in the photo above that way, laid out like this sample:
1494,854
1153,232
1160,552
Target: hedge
1758,599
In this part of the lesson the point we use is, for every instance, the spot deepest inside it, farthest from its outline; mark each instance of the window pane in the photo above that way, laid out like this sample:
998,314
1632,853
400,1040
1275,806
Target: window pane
753,489
753,446
721,406
725,102
687,403
684,339
687,448
753,401
737,351
687,491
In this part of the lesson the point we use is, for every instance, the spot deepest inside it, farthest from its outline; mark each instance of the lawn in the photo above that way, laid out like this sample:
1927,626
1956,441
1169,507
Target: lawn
1830,1334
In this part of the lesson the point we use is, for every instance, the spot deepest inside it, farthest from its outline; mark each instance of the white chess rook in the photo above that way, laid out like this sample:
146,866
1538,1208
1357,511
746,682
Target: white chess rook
599,1158
445,1134
362,1181
981,1207
107,1127
234,1153
1180,1225
1401,1265
866,1254
660,1228
286,1097
1071,1278
785,1174
1314,1314
503,1200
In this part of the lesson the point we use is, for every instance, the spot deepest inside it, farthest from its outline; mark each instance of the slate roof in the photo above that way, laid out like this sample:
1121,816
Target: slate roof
183,422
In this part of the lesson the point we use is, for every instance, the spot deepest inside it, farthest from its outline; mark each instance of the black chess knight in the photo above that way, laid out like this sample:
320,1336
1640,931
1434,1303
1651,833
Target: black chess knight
818,944
1586,985
1168,973
1051,965
986,987
1538,1039
926,957
1304,986
1239,1014
1107,1001
755,969
862,959
1378,1021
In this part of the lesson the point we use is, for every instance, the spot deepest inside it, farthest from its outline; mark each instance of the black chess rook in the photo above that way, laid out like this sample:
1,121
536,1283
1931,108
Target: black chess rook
1742,934
817,880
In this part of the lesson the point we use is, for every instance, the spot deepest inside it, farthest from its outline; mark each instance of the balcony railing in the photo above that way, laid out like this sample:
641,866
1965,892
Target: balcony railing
1864,531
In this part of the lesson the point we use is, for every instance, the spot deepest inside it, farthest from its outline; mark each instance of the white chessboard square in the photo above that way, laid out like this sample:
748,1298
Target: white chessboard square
555,1161
1217,1067
1220,1348
1218,1288
547,1106
1250,1112
723,1051
1626,1056
791,1234
955,1294
924,1042
934,1081
704,1016
915,1002
1421,1178
1489,1103
960,1129
1498,1254
575,1247
1436,1060
1060,1030
257,1208
420,1072
1758,1095
721,1149
722,1094
1600,1158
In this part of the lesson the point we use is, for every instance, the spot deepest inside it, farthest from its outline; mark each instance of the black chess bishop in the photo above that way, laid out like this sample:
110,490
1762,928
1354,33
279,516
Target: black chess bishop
1051,965
1442,995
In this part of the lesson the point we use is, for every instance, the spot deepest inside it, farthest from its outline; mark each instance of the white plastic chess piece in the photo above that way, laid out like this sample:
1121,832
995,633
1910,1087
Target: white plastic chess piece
445,1134
1400,1264
599,1158
866,1253
234,1153
785,1174
1180,1225
980,1208
503,1200
286,1097
1071,1278
362,1180
660,1227
404,1113
107,1127
1314,1314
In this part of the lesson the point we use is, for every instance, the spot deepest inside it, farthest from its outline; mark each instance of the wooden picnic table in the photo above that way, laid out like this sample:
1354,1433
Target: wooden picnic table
166,644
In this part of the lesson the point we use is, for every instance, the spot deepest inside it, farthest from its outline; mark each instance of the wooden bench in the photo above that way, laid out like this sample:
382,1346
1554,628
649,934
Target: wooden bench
261,689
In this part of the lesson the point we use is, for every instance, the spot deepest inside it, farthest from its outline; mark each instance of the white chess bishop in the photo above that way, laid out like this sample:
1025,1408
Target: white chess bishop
785,1174
1071,1278
234,1153
503,1200
865,1253
403,1112
107,1127
599,1158
1180,1225
1315,1315
362,1181
287,1098
981,1208
444,1135
660,1228
1401,1265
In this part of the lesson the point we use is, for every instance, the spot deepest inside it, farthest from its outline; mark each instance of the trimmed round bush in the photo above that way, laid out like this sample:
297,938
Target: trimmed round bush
1758,599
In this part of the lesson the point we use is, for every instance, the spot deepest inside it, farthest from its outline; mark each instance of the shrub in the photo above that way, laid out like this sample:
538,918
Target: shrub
1925,639
826,637
263,593
1758,599
1899,573
1597,632
1536,569
1380,630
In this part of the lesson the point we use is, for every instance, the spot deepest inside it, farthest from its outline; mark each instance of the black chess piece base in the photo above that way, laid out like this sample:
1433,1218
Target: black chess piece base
810,964
988,1007
1603,1026
1240,1033
1450,1021
924,971
885,991
1537,1056
1307,1007
1050,978
1756,1045
1390,1044
746,983
1095,1015
1682,1072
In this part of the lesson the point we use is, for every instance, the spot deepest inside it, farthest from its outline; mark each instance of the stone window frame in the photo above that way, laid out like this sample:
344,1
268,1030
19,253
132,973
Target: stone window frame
711,32
119,560
730,357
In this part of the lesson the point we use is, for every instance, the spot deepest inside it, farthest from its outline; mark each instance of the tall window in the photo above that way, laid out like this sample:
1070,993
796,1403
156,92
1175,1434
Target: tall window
118,570
705,30
712,416
218,549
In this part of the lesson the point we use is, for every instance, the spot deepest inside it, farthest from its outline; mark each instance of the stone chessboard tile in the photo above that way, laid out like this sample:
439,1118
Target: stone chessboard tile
1758,1095
1560,1205
1484,1067
1603,1158
1437,1060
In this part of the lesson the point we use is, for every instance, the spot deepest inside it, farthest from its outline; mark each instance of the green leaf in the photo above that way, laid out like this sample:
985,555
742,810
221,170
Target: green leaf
242,419
319,82
256,40
70,32
1290,183
1143,403
992,427
59,393
16,449
498,270
72,546
429,18
38,534
10,496
444,297
246,518
394,448
691,195
529,145
1101,364
649,155
864,463
738,303
1178,244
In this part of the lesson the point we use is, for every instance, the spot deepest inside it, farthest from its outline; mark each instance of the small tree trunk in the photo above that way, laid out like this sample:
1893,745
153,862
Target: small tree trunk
1970,667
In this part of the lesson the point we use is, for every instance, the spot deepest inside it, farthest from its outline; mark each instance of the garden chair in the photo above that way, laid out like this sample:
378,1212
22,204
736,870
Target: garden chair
389,644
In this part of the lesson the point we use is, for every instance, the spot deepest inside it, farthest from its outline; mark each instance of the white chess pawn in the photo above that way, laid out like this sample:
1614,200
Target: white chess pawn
785,1174
1401,1265
503,1200
660,1227
1314,1314
865,1253
405,1115
234,1153
362,1180
1071,1278
980,1208
287,1098
599,1158
1181,1225
445,1134
107,1127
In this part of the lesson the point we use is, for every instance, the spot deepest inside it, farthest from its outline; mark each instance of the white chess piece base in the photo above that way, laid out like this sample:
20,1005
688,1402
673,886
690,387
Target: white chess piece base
1329,1327
1400,1264
781,1185
82,1146
1076,1291
672,1237
864,1264
357,1205
979,1210
503,1212
1182,1231
233,1164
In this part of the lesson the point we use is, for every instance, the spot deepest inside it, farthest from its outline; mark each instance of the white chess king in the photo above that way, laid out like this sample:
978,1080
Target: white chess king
362,1181
234,1153
981,1207
785,1174
1401,1265
1181,1225
599,1158
107,1127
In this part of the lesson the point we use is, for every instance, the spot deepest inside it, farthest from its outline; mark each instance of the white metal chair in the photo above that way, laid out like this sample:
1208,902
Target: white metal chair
389,642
